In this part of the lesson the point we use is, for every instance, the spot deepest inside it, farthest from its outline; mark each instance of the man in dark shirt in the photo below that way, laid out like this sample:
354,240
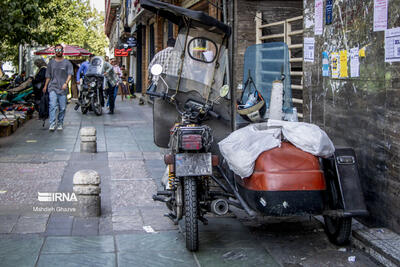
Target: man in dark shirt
58,74
20,78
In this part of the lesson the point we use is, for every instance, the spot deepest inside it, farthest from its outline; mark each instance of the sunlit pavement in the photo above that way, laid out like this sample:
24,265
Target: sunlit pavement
35,160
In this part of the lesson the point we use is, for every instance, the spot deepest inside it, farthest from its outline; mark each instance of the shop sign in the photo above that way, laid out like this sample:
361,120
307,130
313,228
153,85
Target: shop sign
122,52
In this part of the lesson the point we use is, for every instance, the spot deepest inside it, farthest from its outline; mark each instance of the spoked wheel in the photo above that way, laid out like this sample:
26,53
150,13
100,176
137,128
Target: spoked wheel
96,106
338,229
191,214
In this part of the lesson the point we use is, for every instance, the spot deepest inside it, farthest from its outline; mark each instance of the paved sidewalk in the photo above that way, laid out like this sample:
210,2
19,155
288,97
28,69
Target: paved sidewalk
35,160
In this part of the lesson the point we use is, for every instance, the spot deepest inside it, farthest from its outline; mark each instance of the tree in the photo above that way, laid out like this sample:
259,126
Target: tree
18,21
47,22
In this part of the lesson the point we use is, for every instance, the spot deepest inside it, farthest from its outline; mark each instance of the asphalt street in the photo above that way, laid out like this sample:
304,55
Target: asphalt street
131,230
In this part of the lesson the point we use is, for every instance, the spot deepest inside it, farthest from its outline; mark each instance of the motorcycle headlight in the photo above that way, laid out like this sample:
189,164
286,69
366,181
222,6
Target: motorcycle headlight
92,84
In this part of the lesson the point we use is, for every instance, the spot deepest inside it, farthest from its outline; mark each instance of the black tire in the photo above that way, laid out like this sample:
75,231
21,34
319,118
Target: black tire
191,214
338,229
84,110
96,107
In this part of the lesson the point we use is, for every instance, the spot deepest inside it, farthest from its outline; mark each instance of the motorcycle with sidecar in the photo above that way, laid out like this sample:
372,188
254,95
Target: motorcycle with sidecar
193,111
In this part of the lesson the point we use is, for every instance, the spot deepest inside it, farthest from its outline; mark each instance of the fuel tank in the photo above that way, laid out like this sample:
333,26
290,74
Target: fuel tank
285,181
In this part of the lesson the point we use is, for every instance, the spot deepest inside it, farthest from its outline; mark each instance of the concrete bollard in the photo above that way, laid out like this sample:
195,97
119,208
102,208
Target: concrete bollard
87,191
88,140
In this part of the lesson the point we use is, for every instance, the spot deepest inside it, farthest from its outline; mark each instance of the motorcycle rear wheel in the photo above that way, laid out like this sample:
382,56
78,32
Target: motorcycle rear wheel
191,214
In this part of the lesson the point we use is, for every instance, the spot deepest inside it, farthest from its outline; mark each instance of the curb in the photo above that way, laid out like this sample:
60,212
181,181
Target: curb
381,244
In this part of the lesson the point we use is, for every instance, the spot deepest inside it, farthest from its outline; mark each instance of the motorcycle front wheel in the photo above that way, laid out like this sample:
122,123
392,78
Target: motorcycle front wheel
96,106
191,214
84,110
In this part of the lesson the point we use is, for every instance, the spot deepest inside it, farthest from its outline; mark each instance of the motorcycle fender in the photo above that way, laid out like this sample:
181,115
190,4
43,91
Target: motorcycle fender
348,181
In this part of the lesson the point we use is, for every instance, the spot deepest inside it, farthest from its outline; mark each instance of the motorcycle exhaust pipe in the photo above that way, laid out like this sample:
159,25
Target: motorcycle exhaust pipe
219,206
243,203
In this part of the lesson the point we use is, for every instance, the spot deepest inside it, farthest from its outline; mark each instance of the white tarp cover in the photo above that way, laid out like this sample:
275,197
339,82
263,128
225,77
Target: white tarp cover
242,147
306,136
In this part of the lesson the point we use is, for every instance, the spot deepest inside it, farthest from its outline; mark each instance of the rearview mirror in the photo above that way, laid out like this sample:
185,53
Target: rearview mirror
224,90
156,69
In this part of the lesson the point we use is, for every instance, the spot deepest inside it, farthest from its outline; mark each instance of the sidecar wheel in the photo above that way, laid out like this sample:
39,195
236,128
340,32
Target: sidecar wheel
338,229
191,210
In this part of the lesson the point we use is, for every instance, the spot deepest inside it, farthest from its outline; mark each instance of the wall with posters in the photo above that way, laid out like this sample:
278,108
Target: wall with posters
352,90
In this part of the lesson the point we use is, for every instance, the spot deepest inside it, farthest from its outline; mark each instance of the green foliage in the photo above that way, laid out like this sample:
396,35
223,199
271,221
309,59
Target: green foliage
47,22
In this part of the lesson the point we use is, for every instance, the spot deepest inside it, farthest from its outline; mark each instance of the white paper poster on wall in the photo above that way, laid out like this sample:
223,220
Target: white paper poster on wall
392,45
354,62
380,15
309,49
319,17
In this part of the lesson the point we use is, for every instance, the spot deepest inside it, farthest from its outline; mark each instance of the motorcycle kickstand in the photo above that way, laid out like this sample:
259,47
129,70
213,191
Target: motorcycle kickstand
161,199
172,217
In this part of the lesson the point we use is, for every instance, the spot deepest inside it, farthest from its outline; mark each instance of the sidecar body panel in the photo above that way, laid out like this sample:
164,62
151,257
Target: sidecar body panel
285,181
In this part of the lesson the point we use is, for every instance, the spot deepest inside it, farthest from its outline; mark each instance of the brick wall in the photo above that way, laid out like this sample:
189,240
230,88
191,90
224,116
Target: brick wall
244,25
362,112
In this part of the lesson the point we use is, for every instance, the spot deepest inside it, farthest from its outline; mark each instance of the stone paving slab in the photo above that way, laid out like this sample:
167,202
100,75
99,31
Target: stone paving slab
7,222
85,226
19,251
77,244
154,217
78,260
59,225
156,259
26,225
133,193
235,257
163,241
127,223
128,169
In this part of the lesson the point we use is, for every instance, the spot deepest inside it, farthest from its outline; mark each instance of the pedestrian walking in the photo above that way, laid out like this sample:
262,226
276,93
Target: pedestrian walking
58,74
118,72
124,85
111,79
39,80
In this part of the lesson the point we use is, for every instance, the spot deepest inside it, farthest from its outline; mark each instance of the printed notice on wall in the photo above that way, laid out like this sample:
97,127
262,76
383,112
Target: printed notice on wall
325,64
343,64
354,62
392,45
380,15
319,17
309,49
335,64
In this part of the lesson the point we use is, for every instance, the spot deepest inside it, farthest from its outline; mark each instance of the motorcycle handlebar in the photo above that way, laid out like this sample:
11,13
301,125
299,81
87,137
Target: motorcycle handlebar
155,94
